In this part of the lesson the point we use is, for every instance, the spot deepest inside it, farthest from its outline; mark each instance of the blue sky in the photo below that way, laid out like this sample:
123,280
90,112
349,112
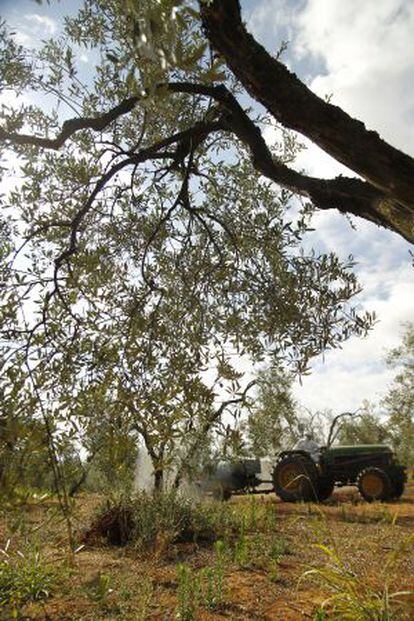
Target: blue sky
360,53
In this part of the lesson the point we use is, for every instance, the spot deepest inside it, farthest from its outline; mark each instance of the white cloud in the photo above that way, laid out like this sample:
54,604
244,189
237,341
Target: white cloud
366,52
318,163
31,28
42,22
23,38
268,12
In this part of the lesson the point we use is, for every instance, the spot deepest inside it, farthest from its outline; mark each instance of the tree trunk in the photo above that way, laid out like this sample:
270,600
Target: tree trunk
158,479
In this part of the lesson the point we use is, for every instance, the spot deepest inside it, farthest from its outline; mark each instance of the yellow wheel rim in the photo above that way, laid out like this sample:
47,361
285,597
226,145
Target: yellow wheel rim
290,477
372,485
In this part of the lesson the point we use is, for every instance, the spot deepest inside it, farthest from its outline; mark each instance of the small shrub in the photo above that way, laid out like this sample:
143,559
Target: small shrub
23,578
113,523
157,520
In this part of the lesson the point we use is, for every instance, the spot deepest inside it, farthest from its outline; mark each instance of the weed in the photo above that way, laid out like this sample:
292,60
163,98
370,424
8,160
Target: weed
344,514
218,571
242,549
125,593
353,598
188,593
387,517
146,593
278,547
24,577
100,588
274,571
270,520
252,514
383,515
208,582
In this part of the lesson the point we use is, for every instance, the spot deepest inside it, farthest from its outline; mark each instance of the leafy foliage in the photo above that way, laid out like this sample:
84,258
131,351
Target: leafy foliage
367,428
145,252
23,578
273,420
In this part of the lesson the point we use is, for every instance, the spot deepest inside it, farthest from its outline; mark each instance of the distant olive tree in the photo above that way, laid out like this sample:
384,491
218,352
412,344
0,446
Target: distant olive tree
399,401
366,427
273,421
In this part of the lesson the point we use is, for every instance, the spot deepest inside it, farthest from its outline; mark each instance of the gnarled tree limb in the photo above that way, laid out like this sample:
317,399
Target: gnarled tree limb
156,151
347,194
294,105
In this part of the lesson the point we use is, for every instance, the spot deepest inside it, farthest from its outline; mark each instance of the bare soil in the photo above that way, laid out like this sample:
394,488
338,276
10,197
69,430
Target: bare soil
117,583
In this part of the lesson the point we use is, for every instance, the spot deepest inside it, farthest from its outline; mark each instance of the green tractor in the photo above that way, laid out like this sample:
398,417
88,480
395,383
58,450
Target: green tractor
373,468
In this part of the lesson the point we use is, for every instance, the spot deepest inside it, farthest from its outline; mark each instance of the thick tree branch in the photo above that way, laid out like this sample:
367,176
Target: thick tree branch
295,106
348,195
97,123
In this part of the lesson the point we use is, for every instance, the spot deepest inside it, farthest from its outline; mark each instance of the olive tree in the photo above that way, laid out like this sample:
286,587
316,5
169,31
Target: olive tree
149,247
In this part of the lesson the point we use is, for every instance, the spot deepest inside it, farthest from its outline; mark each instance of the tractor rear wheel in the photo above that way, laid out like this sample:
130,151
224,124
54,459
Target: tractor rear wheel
374,484
295,478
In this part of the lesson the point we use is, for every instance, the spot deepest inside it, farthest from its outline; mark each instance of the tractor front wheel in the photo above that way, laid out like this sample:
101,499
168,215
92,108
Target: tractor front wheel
374,484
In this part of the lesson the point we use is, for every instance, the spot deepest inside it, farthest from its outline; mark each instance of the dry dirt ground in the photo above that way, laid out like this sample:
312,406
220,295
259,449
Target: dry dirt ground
111,584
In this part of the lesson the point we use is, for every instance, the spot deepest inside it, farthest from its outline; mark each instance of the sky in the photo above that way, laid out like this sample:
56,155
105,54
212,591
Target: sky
361,54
